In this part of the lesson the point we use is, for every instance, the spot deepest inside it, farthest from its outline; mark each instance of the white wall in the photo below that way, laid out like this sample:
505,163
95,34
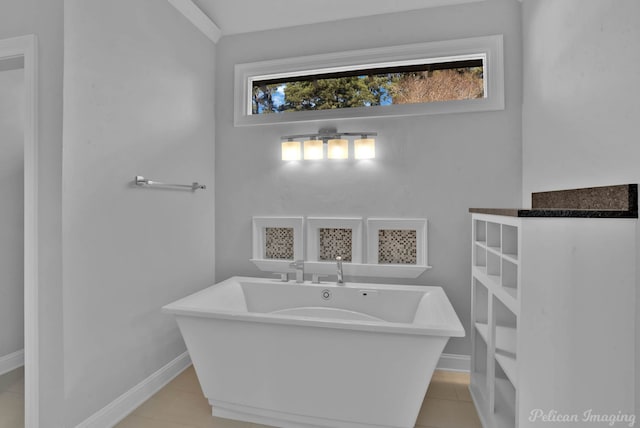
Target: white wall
581,91
11,211
427,166
138,92
45,20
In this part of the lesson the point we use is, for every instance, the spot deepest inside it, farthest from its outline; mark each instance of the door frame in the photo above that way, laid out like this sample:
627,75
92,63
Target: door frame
26,47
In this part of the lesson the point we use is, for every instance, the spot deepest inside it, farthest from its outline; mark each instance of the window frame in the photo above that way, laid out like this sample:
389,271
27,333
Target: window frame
491,47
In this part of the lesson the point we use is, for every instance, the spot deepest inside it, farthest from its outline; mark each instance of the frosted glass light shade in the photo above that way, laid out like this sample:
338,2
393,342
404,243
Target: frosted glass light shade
338,149
291,150
313,149
365,148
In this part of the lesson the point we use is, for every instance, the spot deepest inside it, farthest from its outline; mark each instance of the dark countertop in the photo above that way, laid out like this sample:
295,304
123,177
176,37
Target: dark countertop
592,202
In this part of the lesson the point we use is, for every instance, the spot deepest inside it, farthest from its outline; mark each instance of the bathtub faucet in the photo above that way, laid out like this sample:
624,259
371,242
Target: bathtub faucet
298,265
339,263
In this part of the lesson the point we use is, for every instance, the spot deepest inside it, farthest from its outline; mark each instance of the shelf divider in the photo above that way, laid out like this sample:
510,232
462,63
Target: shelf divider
508,296
513,258
509,367
505,337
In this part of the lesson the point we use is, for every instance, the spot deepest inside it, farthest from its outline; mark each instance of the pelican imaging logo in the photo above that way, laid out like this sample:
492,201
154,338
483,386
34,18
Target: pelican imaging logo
588,416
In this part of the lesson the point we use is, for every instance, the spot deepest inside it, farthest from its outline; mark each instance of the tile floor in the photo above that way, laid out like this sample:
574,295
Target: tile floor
181,404
12,399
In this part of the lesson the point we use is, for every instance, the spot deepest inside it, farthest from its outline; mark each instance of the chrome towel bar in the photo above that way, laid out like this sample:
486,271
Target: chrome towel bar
141,181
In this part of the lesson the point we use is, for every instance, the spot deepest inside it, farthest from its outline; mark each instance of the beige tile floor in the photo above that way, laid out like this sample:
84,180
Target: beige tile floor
181,404
12,399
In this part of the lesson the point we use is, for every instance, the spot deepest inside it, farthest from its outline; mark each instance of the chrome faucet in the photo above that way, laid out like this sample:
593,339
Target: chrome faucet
298,265
339,263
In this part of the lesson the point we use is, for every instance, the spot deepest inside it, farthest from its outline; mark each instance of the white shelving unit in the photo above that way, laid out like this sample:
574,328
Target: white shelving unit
552,312
495,308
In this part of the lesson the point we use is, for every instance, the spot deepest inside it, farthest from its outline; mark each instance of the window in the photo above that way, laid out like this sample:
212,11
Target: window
427,78
406,83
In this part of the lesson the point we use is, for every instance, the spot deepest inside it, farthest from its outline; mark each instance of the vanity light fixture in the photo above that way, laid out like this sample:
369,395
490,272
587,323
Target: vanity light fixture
364,148
291,150
338,148
337,145
313,149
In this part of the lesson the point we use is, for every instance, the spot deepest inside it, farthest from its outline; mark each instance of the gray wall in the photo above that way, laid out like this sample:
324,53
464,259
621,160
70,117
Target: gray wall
581,92
427,166
11,211
138,93
45,20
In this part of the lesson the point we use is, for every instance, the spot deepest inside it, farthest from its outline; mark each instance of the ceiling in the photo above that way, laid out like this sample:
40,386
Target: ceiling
245,16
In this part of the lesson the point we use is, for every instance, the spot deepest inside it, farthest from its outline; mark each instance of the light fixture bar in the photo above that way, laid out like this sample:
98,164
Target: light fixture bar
329,135
337,146
361,134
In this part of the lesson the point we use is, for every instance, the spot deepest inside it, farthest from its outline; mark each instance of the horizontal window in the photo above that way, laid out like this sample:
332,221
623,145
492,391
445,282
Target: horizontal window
398,84
401,80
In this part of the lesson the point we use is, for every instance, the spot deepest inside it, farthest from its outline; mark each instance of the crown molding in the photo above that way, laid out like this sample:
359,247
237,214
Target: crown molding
198,18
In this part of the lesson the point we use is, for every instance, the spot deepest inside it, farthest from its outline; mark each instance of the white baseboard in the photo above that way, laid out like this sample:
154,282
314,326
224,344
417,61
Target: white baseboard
122,406
454,363
12,361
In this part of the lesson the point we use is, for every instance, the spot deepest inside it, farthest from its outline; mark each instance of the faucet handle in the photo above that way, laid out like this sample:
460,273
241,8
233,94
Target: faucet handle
284,276
315,278
298,264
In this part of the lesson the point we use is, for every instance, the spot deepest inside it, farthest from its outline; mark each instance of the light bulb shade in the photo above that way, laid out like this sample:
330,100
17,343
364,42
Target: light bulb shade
365,148
338,149
313,149
291,150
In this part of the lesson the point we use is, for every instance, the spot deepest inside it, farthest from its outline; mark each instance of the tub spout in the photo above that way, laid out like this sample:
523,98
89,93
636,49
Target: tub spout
298,265
339,271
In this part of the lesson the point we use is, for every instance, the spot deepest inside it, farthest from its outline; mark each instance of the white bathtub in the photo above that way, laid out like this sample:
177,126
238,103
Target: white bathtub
316,355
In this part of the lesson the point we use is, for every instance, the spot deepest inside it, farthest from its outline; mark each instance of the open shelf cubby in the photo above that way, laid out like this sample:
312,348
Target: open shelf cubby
504,408
480,255
493,236
480,231
510,242
509,277
493,266
505,340
481,297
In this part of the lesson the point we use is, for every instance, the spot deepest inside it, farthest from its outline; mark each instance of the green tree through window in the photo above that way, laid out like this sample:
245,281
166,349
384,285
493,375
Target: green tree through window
456,80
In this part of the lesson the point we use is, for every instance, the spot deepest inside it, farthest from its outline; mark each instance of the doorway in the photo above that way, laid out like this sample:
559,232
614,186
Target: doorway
18,184
12,242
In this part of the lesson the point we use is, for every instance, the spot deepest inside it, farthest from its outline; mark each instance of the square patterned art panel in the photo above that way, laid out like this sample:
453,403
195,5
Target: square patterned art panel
278,243
335,242
397,246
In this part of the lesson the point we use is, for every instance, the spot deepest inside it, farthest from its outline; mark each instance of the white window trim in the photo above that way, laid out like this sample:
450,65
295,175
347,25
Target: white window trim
490,46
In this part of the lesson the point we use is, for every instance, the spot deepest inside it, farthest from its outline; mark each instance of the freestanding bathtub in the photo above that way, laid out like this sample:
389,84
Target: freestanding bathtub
316,355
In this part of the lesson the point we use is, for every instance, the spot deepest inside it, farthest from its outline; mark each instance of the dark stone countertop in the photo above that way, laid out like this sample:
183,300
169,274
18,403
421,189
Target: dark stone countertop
592,202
